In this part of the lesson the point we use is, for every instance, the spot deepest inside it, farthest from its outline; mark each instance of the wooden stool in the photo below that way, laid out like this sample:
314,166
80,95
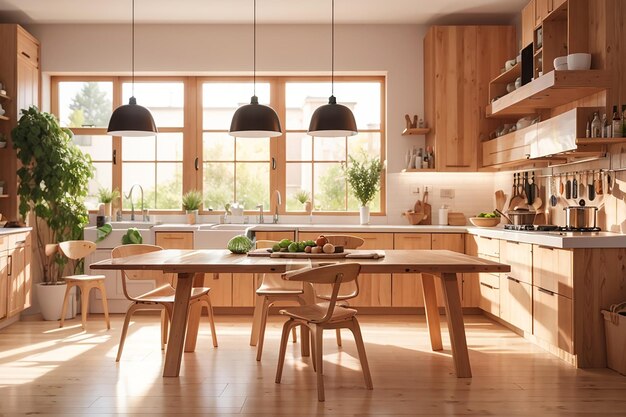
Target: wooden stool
75,250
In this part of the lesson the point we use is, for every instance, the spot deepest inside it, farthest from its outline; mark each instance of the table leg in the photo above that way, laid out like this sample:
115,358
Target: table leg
178,327
432,311
454,314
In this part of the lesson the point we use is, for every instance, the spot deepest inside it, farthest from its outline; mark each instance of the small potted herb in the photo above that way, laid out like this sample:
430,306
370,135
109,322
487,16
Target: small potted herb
192,201
304,198
107,197
364,179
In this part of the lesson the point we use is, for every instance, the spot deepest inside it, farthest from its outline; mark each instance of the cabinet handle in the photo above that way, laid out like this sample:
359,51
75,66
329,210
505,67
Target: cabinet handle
513,279
487,285
172,237
114,156
10,259
545,291
546,247
196,164
20,243
216,275
273,163
25,54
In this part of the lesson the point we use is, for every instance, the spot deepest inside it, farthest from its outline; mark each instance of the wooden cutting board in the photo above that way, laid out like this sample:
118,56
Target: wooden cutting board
424,207
354,254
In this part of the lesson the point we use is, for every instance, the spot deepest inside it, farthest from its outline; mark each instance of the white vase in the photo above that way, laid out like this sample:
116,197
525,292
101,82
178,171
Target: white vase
191,216
364,214
50,298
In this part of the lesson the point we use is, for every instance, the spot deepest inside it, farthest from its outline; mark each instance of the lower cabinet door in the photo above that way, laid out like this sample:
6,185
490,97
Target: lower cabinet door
243,290
221,289
489,294
553,318
4,284
516,303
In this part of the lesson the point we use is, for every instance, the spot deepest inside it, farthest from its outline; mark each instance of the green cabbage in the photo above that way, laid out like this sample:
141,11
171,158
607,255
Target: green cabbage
240,244
132,236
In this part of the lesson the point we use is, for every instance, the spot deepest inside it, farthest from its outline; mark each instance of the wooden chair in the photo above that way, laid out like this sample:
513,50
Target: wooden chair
161,298
272,289
319,317
75,250
349,290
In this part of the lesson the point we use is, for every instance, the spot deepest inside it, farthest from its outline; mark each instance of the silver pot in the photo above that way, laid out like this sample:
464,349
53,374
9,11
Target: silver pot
580,217
520,217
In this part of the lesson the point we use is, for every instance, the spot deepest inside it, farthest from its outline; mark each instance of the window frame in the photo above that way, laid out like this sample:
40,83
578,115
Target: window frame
193,131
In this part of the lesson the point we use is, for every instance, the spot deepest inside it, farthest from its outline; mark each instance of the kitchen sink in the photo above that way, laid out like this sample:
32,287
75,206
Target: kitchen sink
132,223
241,227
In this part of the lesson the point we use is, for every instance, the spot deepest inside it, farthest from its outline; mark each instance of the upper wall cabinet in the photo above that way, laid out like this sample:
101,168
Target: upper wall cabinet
459,62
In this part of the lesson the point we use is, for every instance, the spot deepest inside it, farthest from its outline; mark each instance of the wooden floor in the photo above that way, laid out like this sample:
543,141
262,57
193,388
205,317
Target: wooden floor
49,371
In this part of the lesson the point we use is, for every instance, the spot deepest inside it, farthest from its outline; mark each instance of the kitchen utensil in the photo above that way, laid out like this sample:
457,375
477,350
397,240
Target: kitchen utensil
503,215
527,189
609,182
568,188
582,185
591,192
561,185
500,199
537,203
516,198
520,217
534,190
599,182
581,216
427,209
575,186
553,199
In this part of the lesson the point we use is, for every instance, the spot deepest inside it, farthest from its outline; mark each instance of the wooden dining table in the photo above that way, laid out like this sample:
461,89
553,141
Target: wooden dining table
444,264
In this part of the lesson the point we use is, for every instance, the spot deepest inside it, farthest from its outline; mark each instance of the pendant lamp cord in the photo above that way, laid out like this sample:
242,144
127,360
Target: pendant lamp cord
254,52
332,66
133,51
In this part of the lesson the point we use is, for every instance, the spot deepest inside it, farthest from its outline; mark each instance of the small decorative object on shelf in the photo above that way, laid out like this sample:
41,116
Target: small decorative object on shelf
596,126
411,124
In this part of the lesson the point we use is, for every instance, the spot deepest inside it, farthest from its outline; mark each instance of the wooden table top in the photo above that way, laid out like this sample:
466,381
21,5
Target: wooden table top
212,260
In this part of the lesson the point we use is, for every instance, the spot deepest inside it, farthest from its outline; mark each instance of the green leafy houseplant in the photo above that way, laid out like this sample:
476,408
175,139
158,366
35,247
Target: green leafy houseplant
53,183
106,195
364,178
302,196
192,200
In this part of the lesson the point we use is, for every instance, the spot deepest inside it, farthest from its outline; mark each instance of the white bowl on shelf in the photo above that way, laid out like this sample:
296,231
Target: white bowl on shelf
579,61
560,63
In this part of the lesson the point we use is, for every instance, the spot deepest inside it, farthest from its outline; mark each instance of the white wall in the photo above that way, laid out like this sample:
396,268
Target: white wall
391,50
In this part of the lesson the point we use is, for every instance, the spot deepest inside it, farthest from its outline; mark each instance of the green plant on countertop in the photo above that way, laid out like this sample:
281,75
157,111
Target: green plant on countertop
106,195
302,196
132,237
192,200
53,183
364,177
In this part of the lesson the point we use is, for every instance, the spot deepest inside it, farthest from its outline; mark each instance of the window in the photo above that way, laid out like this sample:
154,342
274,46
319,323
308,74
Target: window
194,151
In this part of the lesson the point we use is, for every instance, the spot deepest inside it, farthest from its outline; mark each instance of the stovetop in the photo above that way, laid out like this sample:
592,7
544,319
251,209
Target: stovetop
547,228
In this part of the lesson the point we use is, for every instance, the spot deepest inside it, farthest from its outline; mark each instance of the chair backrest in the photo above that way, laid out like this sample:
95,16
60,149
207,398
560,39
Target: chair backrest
334,275
274,280
351,289
75,249
129,250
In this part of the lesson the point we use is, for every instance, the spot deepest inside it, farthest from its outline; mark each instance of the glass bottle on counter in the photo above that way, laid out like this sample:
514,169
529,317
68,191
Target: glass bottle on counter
606,127
616,126
596,126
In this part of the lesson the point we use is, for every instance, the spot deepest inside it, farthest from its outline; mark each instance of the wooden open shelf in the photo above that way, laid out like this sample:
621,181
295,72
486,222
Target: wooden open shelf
4,118
548,91
416,131
4,196
508,76
419,170
599,141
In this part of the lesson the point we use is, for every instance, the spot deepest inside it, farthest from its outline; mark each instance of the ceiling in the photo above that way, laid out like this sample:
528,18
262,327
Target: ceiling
268,11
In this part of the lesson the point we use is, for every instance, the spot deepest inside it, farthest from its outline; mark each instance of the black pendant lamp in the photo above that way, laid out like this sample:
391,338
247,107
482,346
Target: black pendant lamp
255,120
332,119
131,119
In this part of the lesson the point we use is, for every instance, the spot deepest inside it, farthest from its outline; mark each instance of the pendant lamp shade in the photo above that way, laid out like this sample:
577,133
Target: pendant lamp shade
255,120
132,120
332,120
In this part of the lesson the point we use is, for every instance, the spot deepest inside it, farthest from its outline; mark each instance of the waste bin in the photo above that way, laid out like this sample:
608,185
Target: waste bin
615,330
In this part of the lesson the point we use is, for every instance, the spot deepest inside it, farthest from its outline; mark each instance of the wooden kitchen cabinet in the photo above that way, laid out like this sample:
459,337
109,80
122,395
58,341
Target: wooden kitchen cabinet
174,240
4,283
553,319
459,63
374,289
553,270
19,277
489,284
516,303
406,289
520,257
528,24
542,9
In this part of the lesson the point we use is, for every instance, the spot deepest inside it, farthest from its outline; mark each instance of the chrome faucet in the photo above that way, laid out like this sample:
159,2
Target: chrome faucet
129,196
260,207
278,203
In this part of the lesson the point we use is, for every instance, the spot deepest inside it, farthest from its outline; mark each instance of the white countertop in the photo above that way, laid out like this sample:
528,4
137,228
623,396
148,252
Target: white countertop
11,230
378,228
564,240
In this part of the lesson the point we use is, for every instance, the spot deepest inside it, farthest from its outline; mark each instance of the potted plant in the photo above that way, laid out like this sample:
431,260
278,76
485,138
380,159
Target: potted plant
107,196
191,203
364,180
53,183
304,198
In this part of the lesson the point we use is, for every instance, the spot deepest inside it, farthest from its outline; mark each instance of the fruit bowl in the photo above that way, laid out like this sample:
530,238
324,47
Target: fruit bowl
484,221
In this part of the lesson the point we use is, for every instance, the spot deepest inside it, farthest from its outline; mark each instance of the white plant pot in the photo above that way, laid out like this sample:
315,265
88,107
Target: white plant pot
364,215
50,299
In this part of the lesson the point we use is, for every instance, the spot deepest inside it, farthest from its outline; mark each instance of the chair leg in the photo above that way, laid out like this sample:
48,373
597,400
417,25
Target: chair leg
68,288
129,314
294,335
360,347
312,343
211,321
84,308
256,320
193,325
164,328
264,313
289,324
338,331
105,303
319,354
